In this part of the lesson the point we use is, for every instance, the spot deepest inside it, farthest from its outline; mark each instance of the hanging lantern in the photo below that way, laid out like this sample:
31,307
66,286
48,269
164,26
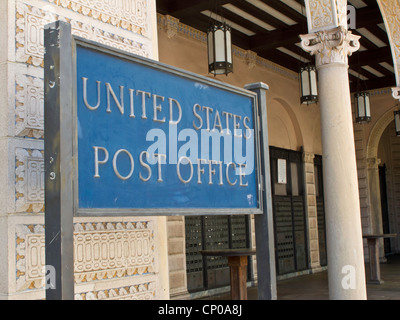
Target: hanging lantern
363,107
220,49
308,80
397,122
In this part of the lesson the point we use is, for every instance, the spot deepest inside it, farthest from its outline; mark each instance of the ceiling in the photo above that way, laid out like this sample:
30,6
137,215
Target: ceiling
271,28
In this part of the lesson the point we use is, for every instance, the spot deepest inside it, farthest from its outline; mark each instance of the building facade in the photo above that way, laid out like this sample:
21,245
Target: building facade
158,257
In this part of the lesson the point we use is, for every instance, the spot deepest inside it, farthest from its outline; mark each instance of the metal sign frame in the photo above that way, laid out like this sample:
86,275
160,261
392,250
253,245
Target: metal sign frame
61,164
160,211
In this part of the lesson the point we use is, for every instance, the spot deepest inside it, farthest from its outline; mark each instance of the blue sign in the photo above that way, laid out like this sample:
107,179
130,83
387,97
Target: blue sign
152,137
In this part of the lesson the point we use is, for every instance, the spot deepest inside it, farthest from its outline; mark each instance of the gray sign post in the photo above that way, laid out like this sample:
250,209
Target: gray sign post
58,161
264,222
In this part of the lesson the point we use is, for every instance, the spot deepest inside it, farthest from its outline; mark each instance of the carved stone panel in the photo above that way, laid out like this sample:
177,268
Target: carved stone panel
112,250
30,22
30,257
142,291
391,16
326,14
131,15
29,181
29,106
102,251
115,258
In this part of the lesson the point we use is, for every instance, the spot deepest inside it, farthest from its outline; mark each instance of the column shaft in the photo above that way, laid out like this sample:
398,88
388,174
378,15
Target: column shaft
342,205
346,272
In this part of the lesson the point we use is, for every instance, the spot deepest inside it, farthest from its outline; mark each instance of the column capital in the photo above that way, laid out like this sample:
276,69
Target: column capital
396,93
330,46
308,157
373,163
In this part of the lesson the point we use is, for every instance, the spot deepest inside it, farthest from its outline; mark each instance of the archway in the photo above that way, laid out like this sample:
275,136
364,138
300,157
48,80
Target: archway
379,152
389,175
283,127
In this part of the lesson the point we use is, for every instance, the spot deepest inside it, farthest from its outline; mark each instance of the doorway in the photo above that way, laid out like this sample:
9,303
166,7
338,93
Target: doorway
385,209
289,210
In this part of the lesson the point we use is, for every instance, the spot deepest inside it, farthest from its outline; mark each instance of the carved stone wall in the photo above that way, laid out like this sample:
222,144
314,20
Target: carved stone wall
326,14
114,258
102,251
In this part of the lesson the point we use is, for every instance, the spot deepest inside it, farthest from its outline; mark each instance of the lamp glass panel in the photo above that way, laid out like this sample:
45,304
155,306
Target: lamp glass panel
314,88
367,106
210,39
219,45
361,106
229,46
305,83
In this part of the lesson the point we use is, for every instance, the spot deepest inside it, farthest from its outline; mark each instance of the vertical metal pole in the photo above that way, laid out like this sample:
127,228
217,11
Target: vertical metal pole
266,272
58,76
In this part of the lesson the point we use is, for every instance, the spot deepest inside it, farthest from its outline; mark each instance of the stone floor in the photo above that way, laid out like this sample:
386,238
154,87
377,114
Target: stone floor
315,286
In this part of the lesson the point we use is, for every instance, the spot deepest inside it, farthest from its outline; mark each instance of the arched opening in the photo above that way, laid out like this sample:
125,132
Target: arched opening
389,178
383,157
283,127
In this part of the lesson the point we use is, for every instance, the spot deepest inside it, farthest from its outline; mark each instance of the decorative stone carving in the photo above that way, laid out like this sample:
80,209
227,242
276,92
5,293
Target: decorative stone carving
171,26
143,291
331,46
390,11
396,93
29,181
108,250
373,163
326,14
30,22
251,59
128,14
123,253
308,157
104,250
30,257
29,111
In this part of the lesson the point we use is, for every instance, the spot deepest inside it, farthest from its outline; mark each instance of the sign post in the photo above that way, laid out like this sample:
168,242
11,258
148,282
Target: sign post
264,223
58,161
129,136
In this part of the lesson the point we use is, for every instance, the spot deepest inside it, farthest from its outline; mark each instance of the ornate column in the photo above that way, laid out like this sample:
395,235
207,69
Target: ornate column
331,47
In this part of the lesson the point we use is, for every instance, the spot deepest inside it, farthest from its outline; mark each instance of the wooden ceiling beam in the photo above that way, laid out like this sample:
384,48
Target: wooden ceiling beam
371,3
381,69
377,83
276,38
286,10
378,32
260,14
368,16
180,9
365,57
231,16
363,72
281,59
